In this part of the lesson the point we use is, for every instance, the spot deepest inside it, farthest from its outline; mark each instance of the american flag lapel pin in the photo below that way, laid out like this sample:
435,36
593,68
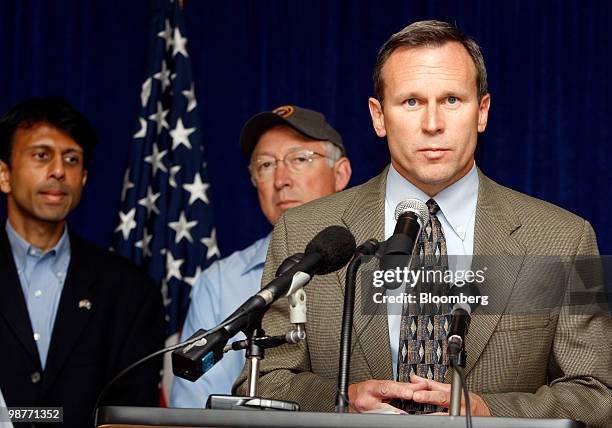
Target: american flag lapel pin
84,303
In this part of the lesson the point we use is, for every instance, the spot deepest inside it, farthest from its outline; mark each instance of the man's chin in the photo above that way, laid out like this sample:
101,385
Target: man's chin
54,215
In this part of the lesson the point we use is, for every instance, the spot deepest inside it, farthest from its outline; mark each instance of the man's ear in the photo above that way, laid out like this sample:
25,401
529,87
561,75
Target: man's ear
5,176
378,117
483,112
342,173
84,179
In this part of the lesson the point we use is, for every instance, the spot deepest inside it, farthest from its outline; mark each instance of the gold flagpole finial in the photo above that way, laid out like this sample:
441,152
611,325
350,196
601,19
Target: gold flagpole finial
182,4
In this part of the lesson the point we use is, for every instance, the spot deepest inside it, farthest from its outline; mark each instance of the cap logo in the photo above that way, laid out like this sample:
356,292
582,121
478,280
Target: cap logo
284,111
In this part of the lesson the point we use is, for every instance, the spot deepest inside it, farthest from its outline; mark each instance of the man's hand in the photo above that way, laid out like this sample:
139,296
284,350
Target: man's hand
375,394
432,392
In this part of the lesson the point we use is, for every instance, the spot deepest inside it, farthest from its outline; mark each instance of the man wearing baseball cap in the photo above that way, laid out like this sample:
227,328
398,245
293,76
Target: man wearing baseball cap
295,157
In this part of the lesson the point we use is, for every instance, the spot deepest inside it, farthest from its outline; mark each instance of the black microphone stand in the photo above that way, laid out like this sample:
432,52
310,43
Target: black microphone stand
254,354
368,248
456,358
256,344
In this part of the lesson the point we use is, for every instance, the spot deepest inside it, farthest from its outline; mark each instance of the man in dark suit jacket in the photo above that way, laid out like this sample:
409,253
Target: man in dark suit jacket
431,102
72,315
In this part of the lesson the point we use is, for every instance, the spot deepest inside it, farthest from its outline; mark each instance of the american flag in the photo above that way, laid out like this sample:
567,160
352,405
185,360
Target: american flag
166,222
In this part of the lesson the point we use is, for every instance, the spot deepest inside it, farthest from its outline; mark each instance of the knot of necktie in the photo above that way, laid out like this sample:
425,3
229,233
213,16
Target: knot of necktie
432,206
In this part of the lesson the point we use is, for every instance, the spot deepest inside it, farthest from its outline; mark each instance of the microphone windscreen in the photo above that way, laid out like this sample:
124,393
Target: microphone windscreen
336,245
415,206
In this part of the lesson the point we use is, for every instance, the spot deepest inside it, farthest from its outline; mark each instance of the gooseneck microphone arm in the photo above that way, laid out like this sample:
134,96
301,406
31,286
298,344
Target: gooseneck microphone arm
368,248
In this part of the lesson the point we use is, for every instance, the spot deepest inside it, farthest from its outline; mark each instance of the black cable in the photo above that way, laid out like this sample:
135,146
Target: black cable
155,354
466,393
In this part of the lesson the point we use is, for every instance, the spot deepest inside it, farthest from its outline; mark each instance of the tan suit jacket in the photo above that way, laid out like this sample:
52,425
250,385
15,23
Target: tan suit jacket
547,365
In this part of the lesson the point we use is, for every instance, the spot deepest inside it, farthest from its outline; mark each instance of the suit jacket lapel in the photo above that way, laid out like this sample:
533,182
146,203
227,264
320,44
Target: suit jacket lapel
12,302
73,311
365,218
496,220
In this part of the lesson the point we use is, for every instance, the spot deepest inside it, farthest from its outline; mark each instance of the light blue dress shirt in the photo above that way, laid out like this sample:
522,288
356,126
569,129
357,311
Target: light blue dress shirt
42,277
218,292
457,216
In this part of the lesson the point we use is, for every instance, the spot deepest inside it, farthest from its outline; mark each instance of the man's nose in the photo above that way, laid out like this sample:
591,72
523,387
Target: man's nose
433,120
57,168
282,176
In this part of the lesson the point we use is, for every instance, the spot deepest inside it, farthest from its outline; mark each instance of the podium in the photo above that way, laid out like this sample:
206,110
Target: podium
141,417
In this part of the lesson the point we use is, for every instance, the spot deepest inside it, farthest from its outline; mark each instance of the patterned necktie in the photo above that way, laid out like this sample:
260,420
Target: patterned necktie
422,347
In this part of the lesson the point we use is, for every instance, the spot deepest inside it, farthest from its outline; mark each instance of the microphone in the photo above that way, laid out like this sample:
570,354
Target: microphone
288,263
328,251
457,330
368,248
411,215
460,319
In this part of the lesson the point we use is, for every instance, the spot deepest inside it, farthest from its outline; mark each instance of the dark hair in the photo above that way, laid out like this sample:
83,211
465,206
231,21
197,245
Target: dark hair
429,34
55,111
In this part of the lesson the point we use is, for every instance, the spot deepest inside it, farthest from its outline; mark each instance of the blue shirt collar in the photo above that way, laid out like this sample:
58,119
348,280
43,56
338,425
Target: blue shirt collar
457,202
258,256
21,248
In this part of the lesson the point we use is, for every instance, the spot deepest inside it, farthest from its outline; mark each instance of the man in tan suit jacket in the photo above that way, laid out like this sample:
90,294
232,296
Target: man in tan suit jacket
431,81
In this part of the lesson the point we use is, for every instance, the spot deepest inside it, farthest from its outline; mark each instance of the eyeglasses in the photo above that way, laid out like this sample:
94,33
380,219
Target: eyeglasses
262,167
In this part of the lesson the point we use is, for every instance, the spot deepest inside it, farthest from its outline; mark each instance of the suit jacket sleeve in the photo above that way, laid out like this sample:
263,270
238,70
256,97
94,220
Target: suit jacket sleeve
581,379
286,372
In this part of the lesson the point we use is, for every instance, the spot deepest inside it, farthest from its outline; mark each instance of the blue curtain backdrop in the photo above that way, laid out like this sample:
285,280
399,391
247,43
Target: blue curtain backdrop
549,131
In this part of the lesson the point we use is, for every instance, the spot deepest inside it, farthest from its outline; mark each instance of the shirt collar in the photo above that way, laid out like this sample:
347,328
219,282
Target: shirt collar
258,256
457,202
21,248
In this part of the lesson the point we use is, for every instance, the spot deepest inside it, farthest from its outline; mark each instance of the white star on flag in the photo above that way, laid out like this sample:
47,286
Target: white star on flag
127,223
145,93
127,184
163,76
155,159
143,129
179,44
173,171
173,267
180,135
191,98
159,117
182,227
166,34
149,202
144,243
191,280
197,189
211,244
